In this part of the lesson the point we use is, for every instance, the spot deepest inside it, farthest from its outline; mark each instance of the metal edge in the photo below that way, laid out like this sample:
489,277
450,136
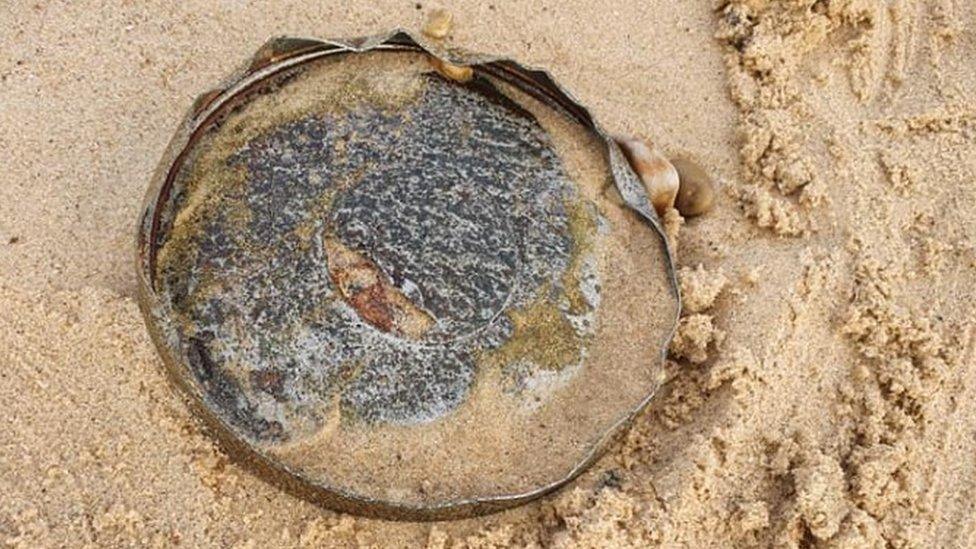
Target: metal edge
154,311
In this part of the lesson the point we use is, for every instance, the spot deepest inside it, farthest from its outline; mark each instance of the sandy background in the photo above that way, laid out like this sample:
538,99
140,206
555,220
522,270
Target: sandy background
822,386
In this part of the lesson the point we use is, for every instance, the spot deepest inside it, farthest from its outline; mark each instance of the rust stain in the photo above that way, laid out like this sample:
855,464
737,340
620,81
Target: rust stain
204,100
373,305
369,291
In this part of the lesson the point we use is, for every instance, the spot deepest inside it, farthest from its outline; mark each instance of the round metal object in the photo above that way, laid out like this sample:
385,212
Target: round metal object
399,294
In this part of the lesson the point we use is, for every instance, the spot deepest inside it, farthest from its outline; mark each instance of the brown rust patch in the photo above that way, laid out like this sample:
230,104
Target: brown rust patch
369,291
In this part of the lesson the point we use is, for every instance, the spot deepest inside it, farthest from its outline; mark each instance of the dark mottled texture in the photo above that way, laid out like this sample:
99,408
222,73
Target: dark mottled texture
458,200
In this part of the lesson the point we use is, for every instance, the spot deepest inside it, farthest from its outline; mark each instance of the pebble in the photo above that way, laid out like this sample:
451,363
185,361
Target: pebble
438,24
696,190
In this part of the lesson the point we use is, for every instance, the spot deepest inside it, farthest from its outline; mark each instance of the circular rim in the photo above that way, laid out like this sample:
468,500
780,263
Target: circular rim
284,53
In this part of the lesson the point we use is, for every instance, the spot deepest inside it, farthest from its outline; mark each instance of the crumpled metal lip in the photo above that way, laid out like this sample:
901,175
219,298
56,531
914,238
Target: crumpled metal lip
285,52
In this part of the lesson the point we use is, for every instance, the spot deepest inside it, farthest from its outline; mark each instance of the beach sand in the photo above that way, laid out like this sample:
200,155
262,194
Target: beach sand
821,390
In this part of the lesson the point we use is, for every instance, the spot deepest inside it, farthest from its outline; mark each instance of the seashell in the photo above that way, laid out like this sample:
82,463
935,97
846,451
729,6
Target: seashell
659,176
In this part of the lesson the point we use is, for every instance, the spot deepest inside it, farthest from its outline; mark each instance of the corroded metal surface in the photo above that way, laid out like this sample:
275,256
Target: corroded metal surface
421,245
422,230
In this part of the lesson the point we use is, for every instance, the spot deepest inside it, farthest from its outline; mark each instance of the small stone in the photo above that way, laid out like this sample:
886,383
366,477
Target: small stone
658,175
696,190
438,24
459,73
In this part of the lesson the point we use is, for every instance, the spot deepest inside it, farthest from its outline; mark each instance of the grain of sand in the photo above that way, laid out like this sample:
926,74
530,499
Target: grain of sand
821,392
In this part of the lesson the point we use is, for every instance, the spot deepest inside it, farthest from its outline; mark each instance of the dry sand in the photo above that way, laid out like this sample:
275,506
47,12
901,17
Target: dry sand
822,388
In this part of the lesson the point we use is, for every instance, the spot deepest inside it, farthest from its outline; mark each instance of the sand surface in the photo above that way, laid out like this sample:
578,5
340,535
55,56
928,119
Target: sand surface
822,389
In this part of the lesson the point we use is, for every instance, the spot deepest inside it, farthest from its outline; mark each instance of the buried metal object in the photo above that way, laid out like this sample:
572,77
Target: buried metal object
399,294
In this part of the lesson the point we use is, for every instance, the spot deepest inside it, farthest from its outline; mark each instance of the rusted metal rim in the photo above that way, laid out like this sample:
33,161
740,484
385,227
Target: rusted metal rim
284,53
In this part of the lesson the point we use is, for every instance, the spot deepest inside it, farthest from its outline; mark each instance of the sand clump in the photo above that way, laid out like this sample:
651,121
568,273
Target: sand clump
695,334
696,331
836,411
700,287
